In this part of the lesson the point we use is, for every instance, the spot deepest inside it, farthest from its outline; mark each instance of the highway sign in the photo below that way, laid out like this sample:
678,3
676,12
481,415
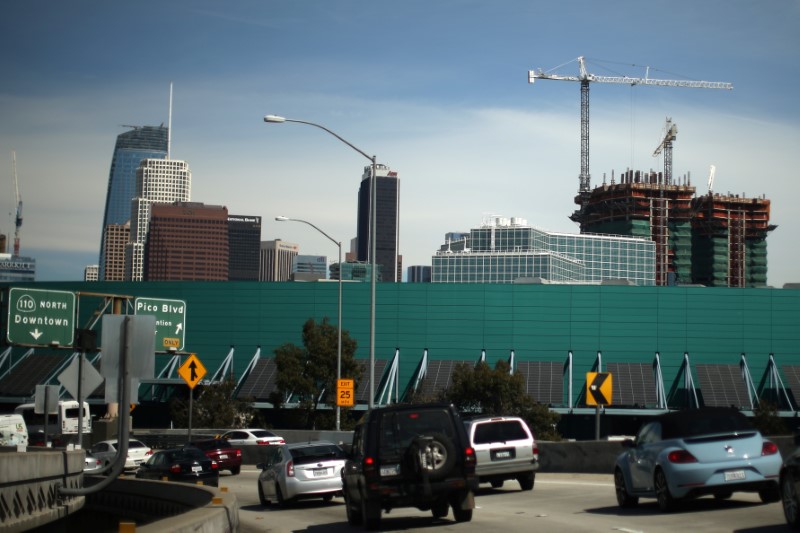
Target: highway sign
598,388
170,321
41,317
345,395
192,371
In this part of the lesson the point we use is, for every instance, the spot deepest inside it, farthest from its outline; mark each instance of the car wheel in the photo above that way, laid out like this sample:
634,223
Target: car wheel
770,494
439,509
354,516
526,481
497,483
261,498
434,455
370,514
665,500
235,470
624,499
791,503
462,515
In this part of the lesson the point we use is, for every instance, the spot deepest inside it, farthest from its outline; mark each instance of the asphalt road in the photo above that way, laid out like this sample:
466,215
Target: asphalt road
562,503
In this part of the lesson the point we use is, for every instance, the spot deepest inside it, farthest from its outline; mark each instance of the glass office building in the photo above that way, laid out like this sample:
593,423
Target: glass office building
131,148
508,250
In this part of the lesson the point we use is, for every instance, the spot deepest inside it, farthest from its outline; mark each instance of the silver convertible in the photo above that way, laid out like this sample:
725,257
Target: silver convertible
686,454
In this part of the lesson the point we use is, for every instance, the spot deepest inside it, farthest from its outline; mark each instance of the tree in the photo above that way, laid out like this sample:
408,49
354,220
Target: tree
308,375
213,406
768,421
481,390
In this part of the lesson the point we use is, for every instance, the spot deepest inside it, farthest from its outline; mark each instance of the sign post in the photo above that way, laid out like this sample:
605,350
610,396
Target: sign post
192,371
170,321
598,392
41,317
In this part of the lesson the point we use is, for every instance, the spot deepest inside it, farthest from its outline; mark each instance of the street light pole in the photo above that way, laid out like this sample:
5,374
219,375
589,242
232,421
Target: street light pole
372,231
339,339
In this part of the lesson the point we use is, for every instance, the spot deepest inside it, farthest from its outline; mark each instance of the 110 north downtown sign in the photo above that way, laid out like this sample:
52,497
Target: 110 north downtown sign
41,317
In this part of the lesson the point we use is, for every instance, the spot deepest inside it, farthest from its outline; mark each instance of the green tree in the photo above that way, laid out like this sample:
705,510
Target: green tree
767,420
213,406
307,375
482,390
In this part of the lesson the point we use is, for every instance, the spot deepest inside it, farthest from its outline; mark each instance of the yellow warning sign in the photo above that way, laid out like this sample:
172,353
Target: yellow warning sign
598,388
345,393
192,371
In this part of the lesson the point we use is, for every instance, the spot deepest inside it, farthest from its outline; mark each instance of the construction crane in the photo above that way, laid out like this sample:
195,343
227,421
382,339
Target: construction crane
666,147
18,219
585,78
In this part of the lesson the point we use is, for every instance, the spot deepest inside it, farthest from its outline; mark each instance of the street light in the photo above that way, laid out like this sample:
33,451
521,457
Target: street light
339,340
373,248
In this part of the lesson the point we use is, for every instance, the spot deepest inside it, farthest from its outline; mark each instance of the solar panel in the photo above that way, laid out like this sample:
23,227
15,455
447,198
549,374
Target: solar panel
632,384
544,381
438,377
261,381
362,394
792,374
722,386
31,371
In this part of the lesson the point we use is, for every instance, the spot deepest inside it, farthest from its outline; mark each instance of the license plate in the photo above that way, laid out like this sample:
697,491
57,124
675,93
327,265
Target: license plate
734,475
320,472
197,469
503,455
390,470
223,456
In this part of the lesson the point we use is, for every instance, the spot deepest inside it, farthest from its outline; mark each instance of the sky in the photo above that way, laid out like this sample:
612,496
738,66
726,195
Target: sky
435,89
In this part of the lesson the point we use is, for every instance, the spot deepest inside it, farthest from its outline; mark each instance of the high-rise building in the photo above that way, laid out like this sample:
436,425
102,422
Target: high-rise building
116,237
157,181
508,250
187,241
244,244
276,258
17,268
309,267
387,222
131,147
90,272
419,274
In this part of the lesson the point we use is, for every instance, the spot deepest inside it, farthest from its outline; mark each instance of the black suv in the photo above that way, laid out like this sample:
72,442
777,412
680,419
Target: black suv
409,456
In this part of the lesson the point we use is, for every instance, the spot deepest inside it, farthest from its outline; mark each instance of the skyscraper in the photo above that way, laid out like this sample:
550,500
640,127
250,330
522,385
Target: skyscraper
187,241
157,181
244,244
276,260
132,146
387,222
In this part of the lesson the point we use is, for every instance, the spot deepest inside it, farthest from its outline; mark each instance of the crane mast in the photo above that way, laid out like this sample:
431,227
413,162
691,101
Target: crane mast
18,218
585,78
666,147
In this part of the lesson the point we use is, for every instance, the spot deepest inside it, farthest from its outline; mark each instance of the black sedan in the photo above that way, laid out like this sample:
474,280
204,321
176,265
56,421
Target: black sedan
187,464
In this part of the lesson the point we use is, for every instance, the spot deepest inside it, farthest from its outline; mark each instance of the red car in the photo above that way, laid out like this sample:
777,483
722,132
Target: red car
221,451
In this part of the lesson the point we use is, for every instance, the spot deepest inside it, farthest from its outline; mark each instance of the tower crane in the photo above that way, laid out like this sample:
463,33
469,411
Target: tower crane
18,218
585,78
666,147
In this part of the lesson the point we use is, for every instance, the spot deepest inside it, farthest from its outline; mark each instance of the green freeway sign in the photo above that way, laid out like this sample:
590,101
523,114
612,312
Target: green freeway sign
170,321
40,317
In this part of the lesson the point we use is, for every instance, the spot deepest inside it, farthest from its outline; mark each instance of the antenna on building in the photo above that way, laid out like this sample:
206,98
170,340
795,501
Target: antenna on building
169,123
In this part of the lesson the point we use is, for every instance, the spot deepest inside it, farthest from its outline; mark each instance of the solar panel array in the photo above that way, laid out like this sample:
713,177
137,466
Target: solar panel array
31,371
632,384
362,394
792,374
722,385
438,377
544,381
261,381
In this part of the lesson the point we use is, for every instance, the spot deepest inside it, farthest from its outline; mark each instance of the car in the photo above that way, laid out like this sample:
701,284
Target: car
186,464
260,437
409,455
505,448
221,451
790,486
138,452
686,454
91,464
301,471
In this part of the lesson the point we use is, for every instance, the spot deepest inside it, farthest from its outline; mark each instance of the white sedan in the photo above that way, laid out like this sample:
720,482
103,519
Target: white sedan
106,451
261,437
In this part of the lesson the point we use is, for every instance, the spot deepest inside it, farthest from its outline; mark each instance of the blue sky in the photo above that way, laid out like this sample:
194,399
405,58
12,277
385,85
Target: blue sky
437,90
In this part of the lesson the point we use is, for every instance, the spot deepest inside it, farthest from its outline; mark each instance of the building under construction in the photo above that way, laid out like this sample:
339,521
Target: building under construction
714,240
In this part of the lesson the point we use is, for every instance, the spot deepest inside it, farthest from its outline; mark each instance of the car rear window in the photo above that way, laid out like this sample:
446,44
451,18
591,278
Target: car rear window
262,433
699,422
311,454
399,428
210,444
500,431
136,444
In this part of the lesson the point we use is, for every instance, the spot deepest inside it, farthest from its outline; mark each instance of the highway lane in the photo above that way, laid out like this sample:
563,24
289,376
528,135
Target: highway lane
563,503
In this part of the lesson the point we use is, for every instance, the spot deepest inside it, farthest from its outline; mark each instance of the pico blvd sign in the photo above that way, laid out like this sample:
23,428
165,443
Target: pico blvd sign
41,317
170,321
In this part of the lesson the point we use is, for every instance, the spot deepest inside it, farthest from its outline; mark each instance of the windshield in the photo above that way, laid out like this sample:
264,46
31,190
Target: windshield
311,454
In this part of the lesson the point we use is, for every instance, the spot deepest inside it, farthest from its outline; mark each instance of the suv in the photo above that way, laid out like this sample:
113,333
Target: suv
409,456
505,449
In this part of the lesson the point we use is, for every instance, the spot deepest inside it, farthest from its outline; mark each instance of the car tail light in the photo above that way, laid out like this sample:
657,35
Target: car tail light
148,452
238,452
681,456
214,465
290,469
262,442
469,456
175,469
769,448
535,452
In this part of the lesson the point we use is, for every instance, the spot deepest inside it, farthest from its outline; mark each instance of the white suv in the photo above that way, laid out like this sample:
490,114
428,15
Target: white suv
505,449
